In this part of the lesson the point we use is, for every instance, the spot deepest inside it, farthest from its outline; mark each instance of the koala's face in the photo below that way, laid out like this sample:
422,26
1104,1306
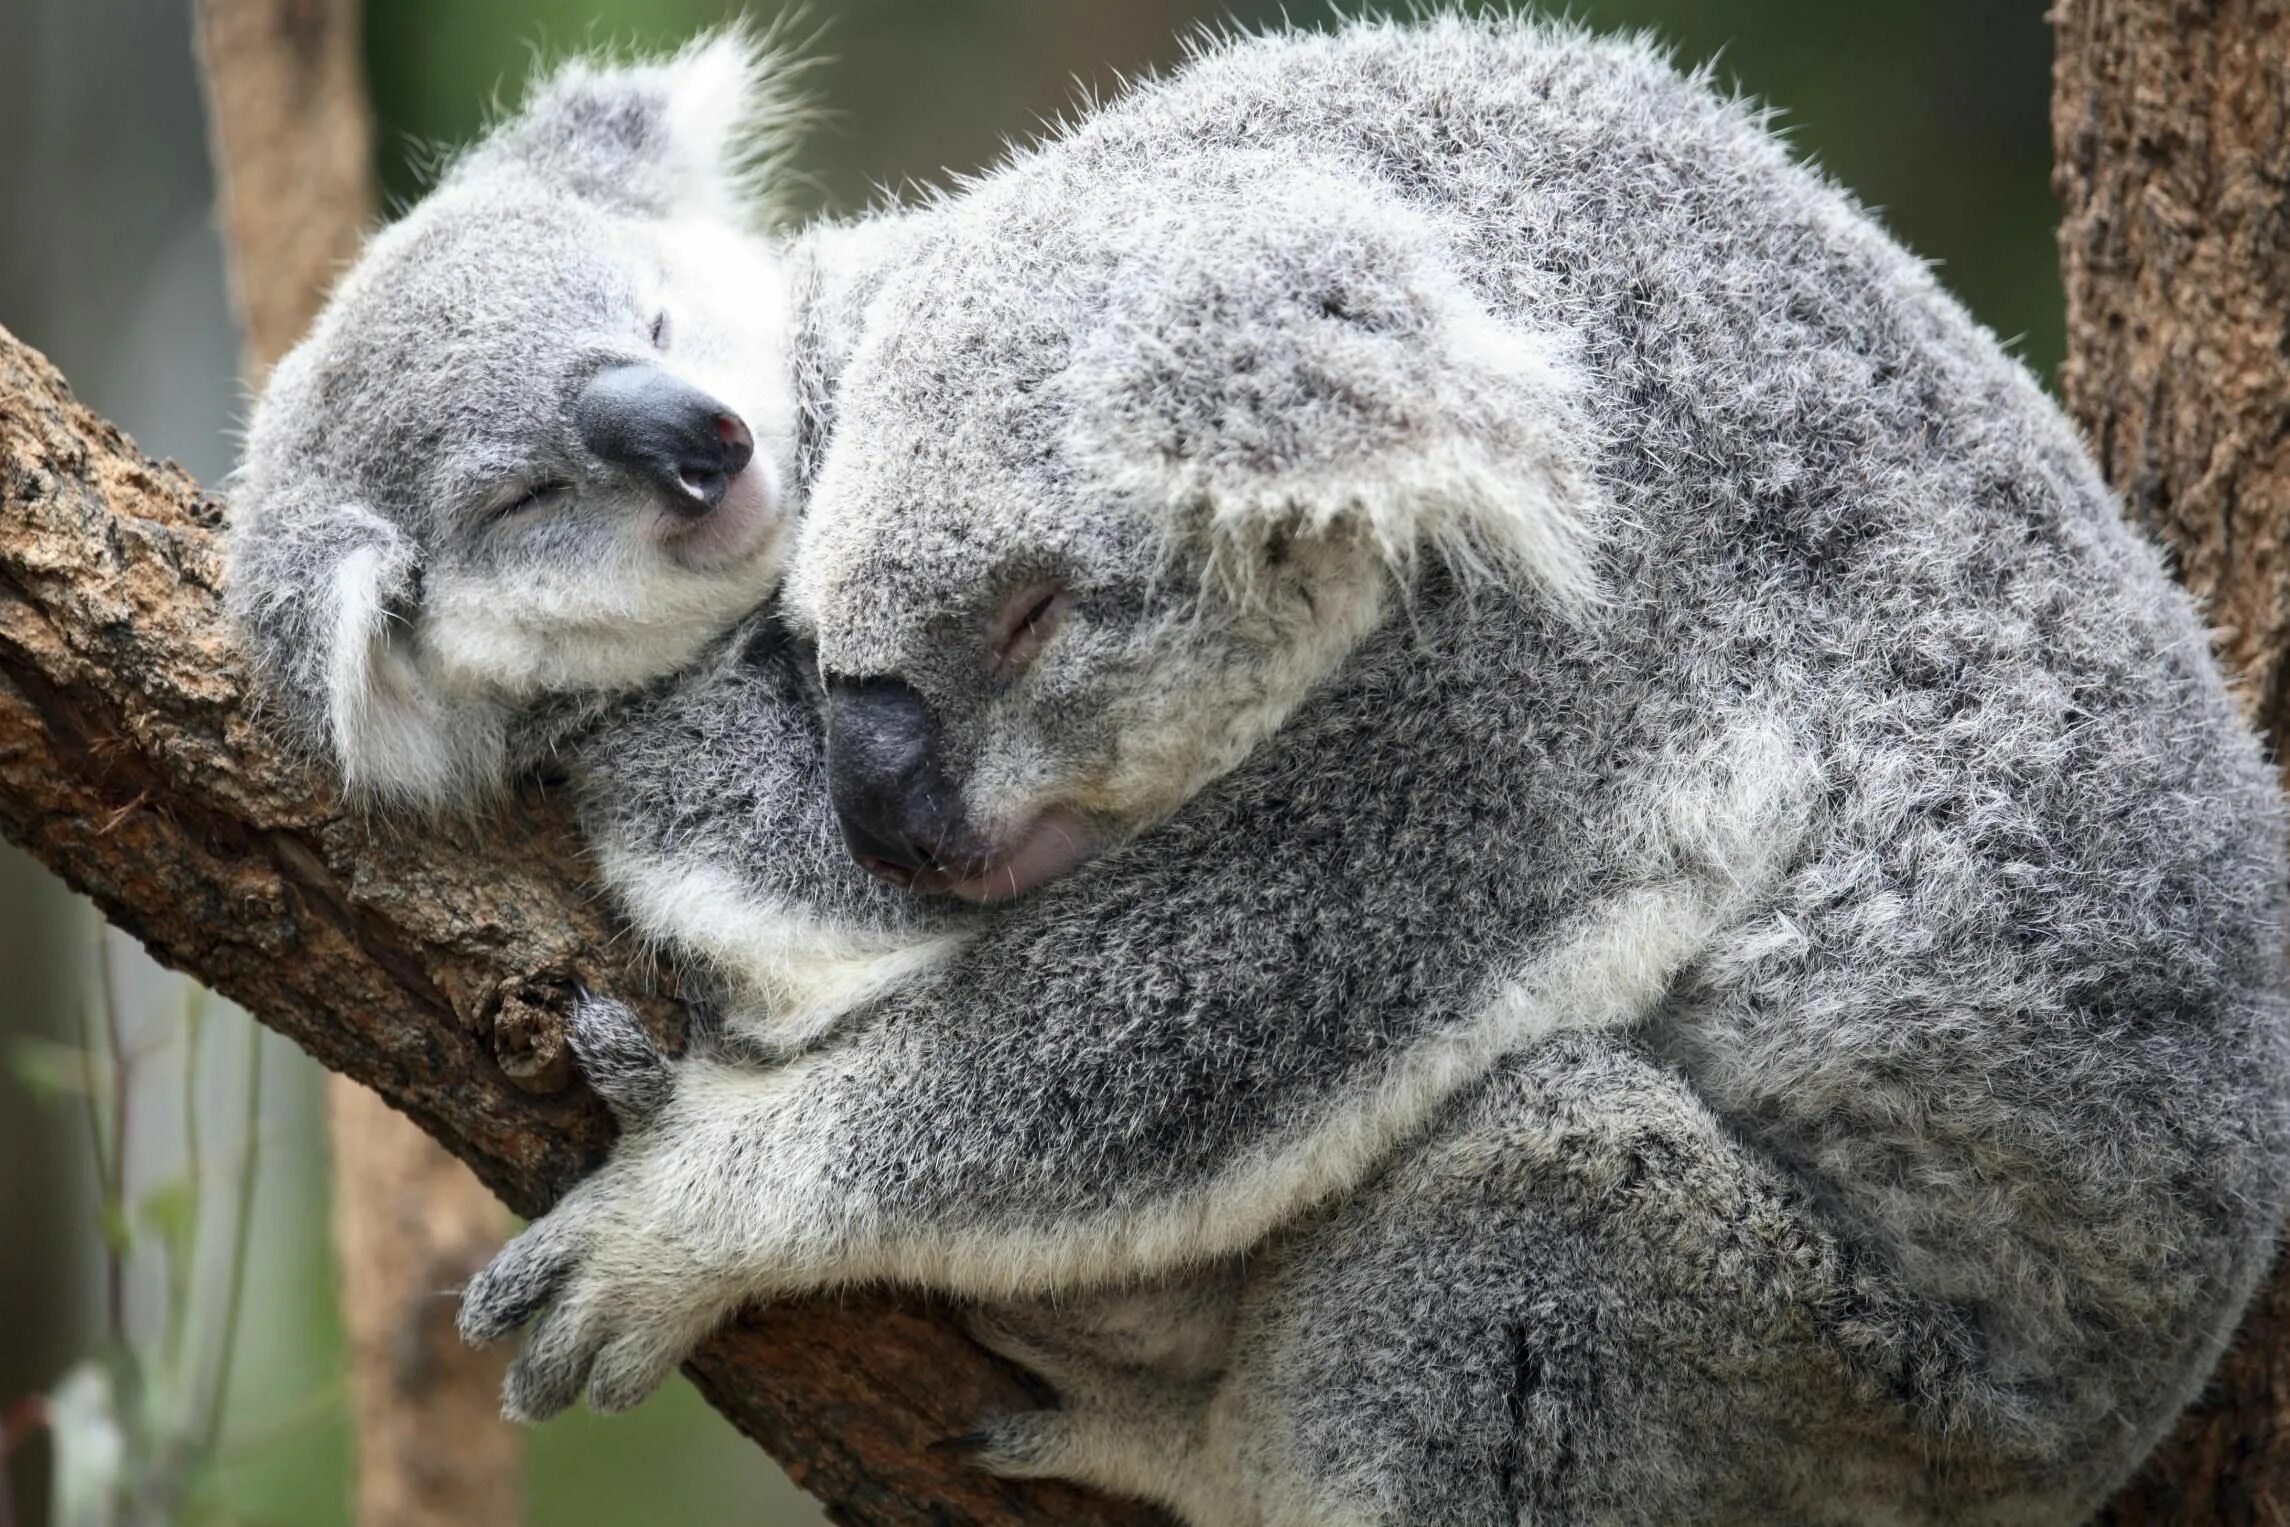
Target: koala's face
1031,667
578,417
537,442
1120,475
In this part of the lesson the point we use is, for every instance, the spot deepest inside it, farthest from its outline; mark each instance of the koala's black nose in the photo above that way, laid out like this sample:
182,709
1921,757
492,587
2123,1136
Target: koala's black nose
896,809
665,430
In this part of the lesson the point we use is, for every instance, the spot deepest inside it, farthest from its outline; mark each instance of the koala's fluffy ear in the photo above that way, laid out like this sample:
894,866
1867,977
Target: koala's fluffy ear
323,597
695,134
1312,366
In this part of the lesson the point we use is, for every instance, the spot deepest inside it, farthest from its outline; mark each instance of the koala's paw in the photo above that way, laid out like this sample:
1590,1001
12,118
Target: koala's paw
1039,1444
1116,1427
615,1305
614,1308
619,1060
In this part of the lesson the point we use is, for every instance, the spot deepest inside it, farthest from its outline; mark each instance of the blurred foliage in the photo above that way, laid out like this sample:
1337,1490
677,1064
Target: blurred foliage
136,1428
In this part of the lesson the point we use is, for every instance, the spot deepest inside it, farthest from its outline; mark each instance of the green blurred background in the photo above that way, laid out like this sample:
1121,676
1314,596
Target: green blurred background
1935,112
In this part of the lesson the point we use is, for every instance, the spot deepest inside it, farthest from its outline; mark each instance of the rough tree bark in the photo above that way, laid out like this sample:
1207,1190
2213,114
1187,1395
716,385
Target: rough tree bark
292,147
2171,121
431,965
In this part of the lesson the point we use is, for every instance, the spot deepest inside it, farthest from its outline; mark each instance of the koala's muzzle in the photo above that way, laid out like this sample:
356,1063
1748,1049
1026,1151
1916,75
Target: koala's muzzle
897,811
683,442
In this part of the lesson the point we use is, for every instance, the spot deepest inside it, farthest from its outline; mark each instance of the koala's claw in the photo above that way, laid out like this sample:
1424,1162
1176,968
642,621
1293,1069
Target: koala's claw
552,1370
606,1320
520,1280
1116,1427
1030,1444
604,1343
629,1368
1072,1372
606,1280
619,1059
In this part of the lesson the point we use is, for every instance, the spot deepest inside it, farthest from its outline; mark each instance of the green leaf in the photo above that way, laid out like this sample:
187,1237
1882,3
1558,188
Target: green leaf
46,1069
171,1212
118,1234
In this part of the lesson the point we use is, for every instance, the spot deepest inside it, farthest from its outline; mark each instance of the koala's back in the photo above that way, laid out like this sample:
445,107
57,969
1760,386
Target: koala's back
2017,1019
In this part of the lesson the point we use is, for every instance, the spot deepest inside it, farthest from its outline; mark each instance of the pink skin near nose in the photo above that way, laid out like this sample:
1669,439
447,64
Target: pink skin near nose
1052,843
746,521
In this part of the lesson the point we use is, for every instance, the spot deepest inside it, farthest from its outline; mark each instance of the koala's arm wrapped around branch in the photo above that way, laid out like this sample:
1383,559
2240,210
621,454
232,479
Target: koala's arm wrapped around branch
433,964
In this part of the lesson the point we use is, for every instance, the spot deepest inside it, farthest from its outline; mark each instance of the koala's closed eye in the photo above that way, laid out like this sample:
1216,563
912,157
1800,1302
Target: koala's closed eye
523,496
660,330
1027,622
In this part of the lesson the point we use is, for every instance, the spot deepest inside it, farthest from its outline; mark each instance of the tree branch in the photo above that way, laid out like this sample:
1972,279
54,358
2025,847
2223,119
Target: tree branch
292,146
433,963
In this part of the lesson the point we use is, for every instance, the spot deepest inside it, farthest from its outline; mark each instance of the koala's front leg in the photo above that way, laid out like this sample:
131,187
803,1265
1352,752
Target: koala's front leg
705,1204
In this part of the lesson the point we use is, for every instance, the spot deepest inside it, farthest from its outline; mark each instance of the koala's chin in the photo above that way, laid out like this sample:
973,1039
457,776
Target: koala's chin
741,537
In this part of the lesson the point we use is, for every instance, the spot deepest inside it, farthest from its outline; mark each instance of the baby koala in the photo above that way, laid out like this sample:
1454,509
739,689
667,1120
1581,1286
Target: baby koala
541,442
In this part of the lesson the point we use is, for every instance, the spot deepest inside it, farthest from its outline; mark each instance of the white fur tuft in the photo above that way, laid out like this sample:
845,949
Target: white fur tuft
391,734
796,972
734,114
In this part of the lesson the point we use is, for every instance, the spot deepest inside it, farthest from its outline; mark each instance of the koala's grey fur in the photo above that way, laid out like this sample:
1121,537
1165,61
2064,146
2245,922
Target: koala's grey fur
1736,972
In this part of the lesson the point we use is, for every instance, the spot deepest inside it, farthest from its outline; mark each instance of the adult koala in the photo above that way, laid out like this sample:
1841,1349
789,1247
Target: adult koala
1708,927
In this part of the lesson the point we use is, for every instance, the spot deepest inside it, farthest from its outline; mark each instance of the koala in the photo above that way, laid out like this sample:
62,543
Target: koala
1492,801
539,447
1458,795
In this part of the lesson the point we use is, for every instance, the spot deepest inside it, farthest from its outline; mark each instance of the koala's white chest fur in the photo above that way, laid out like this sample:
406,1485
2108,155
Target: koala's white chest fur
792,972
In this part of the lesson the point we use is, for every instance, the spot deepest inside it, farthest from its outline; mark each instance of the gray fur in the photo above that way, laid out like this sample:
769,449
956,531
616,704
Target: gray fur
1876,803
619,1061
1683,925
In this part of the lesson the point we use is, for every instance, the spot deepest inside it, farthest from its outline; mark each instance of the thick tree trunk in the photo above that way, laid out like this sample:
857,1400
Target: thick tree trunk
2171,119
293,154
293,148
433,965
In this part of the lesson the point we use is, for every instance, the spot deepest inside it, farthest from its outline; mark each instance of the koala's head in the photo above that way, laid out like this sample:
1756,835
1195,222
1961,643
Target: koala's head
1121,472
537,442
